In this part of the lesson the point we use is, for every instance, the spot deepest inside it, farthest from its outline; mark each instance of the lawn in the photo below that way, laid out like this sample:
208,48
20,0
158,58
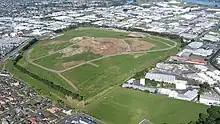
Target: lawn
111,71
42,50
56,61
157,44
127,106
44,74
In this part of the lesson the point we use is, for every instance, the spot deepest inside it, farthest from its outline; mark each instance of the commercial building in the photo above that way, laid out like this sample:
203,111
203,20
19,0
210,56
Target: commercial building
195,45
189,95
161,77
210,99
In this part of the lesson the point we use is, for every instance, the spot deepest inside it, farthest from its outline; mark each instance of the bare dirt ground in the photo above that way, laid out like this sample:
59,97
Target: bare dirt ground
105,46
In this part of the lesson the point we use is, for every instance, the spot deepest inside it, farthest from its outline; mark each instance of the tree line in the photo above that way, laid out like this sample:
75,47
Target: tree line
212,116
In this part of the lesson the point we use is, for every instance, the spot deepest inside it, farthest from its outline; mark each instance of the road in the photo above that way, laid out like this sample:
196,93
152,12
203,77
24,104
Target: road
14,52
71,83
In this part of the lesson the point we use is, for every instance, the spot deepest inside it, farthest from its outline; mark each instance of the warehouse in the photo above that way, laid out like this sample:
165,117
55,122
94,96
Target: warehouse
164,66
189,95
161,77
210,99
212,38
195,45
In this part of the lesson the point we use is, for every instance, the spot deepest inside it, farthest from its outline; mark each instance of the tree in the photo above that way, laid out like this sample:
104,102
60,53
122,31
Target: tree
202,118
212,116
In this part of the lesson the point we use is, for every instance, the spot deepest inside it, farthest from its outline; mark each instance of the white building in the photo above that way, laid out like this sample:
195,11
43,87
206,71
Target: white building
161,77
212,38
142,81
142,88
210,99
163,91
180,84
188,96
195,45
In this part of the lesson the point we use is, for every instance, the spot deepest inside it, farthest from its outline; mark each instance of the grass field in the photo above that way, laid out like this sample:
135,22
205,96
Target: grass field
94,78
44,73
111,71
56,60
125,106
99,81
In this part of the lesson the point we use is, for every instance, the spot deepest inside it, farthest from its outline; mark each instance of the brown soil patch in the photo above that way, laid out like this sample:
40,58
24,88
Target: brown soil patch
105,46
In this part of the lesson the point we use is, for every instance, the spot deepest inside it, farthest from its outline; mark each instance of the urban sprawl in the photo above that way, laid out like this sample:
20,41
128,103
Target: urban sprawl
192,72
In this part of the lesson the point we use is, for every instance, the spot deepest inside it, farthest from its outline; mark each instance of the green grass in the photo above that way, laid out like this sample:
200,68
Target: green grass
56,60
163,40
157,44
45,74
92,32
112,71
41,50
126,106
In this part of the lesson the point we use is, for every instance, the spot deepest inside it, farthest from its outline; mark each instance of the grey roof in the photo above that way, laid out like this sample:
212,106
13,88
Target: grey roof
195,45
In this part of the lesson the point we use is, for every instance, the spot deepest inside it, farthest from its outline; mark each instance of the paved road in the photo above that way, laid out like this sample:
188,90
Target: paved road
15,51
125,53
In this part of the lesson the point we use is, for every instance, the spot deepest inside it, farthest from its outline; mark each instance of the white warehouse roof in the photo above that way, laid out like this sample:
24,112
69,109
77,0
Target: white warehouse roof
161,77
195,45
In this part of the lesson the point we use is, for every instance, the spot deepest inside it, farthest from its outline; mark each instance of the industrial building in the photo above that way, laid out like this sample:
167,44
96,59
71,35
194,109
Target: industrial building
189,95
161,77
210,99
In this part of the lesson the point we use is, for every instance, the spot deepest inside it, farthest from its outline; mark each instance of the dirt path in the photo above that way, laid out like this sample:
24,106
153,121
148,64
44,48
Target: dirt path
90,62
50,70
93,64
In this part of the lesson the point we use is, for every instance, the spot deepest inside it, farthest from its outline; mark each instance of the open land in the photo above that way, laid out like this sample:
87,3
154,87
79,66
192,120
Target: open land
94,62
130,107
